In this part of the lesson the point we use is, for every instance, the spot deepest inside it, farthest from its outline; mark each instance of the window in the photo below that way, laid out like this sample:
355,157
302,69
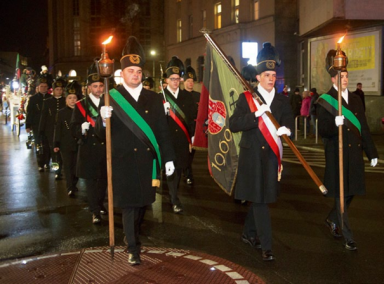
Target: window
117,77
76,36
256,8
200,68
190,35
72,73
179,34
236,6
204,18
218,15
76,7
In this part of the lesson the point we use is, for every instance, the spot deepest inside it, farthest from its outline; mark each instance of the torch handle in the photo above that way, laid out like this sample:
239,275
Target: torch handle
109,169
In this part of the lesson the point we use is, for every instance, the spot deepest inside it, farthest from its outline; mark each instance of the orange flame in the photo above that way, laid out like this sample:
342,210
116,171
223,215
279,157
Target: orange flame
108,40
341,39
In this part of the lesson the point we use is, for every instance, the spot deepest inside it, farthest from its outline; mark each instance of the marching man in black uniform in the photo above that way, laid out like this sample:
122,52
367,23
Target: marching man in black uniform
189,82
139,133
356,140
49,117
91,158
261,150
181,109
34,112
64,143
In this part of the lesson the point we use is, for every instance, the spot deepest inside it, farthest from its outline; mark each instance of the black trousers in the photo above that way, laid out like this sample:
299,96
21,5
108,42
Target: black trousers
44,153
335,216
96,189
188,171
258,224
69,165
132,220
173,182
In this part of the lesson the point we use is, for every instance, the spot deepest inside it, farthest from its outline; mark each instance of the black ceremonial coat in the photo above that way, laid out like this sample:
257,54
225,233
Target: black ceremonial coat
63,138
34,111
353,148
179,140
49,116
91,158
257,171
132,160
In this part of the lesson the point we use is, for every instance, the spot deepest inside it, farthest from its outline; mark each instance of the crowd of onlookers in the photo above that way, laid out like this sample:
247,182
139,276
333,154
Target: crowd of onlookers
304,107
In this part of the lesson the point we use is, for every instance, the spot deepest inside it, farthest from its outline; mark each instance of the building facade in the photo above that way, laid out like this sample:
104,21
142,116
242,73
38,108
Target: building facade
77,29
232,23
301,31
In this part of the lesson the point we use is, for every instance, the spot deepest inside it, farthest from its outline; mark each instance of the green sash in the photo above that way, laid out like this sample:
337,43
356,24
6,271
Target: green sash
177,109
332,106
137,125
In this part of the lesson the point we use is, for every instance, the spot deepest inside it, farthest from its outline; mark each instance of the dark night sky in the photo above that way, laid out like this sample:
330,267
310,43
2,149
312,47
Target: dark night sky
24,29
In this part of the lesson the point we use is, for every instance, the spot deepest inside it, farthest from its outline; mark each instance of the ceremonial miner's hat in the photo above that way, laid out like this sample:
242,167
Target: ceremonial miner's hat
93,76
249,73
267,59
175,66
59,82
74,88
42,79
133,54
148,82
190,73
329,63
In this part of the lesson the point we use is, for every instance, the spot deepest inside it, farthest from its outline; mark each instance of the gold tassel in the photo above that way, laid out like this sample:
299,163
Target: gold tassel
279,173
156,183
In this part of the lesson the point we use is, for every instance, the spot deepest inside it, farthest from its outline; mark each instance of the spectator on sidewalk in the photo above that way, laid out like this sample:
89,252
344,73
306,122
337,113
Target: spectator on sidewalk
304,111
295,102
312,108
360,93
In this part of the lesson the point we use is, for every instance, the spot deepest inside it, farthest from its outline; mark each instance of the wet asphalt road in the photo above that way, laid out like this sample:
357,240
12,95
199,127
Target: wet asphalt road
37,217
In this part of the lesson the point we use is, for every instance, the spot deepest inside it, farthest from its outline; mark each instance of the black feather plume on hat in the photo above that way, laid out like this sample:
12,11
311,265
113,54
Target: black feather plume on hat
329,62
175,66
268,58
133,54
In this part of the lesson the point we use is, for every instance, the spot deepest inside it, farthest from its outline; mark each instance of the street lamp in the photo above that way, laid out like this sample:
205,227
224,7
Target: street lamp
153,53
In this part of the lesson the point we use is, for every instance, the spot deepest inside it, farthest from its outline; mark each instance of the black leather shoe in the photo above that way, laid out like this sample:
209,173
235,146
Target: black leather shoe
71,194
350,245
333,228
96,219
177,209
134,259
253,242
267,255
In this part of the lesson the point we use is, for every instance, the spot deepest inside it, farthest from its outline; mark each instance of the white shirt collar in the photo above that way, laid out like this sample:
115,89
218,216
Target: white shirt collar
344,94
267,96
96,101
134,92
175,94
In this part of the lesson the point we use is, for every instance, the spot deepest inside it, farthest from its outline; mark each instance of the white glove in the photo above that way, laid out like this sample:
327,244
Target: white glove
339,120
169,168
106,112
85,127
374,162
192,139
263,108
283,130
167,106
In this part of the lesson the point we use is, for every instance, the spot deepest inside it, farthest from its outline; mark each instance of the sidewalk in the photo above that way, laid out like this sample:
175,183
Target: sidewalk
310,143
